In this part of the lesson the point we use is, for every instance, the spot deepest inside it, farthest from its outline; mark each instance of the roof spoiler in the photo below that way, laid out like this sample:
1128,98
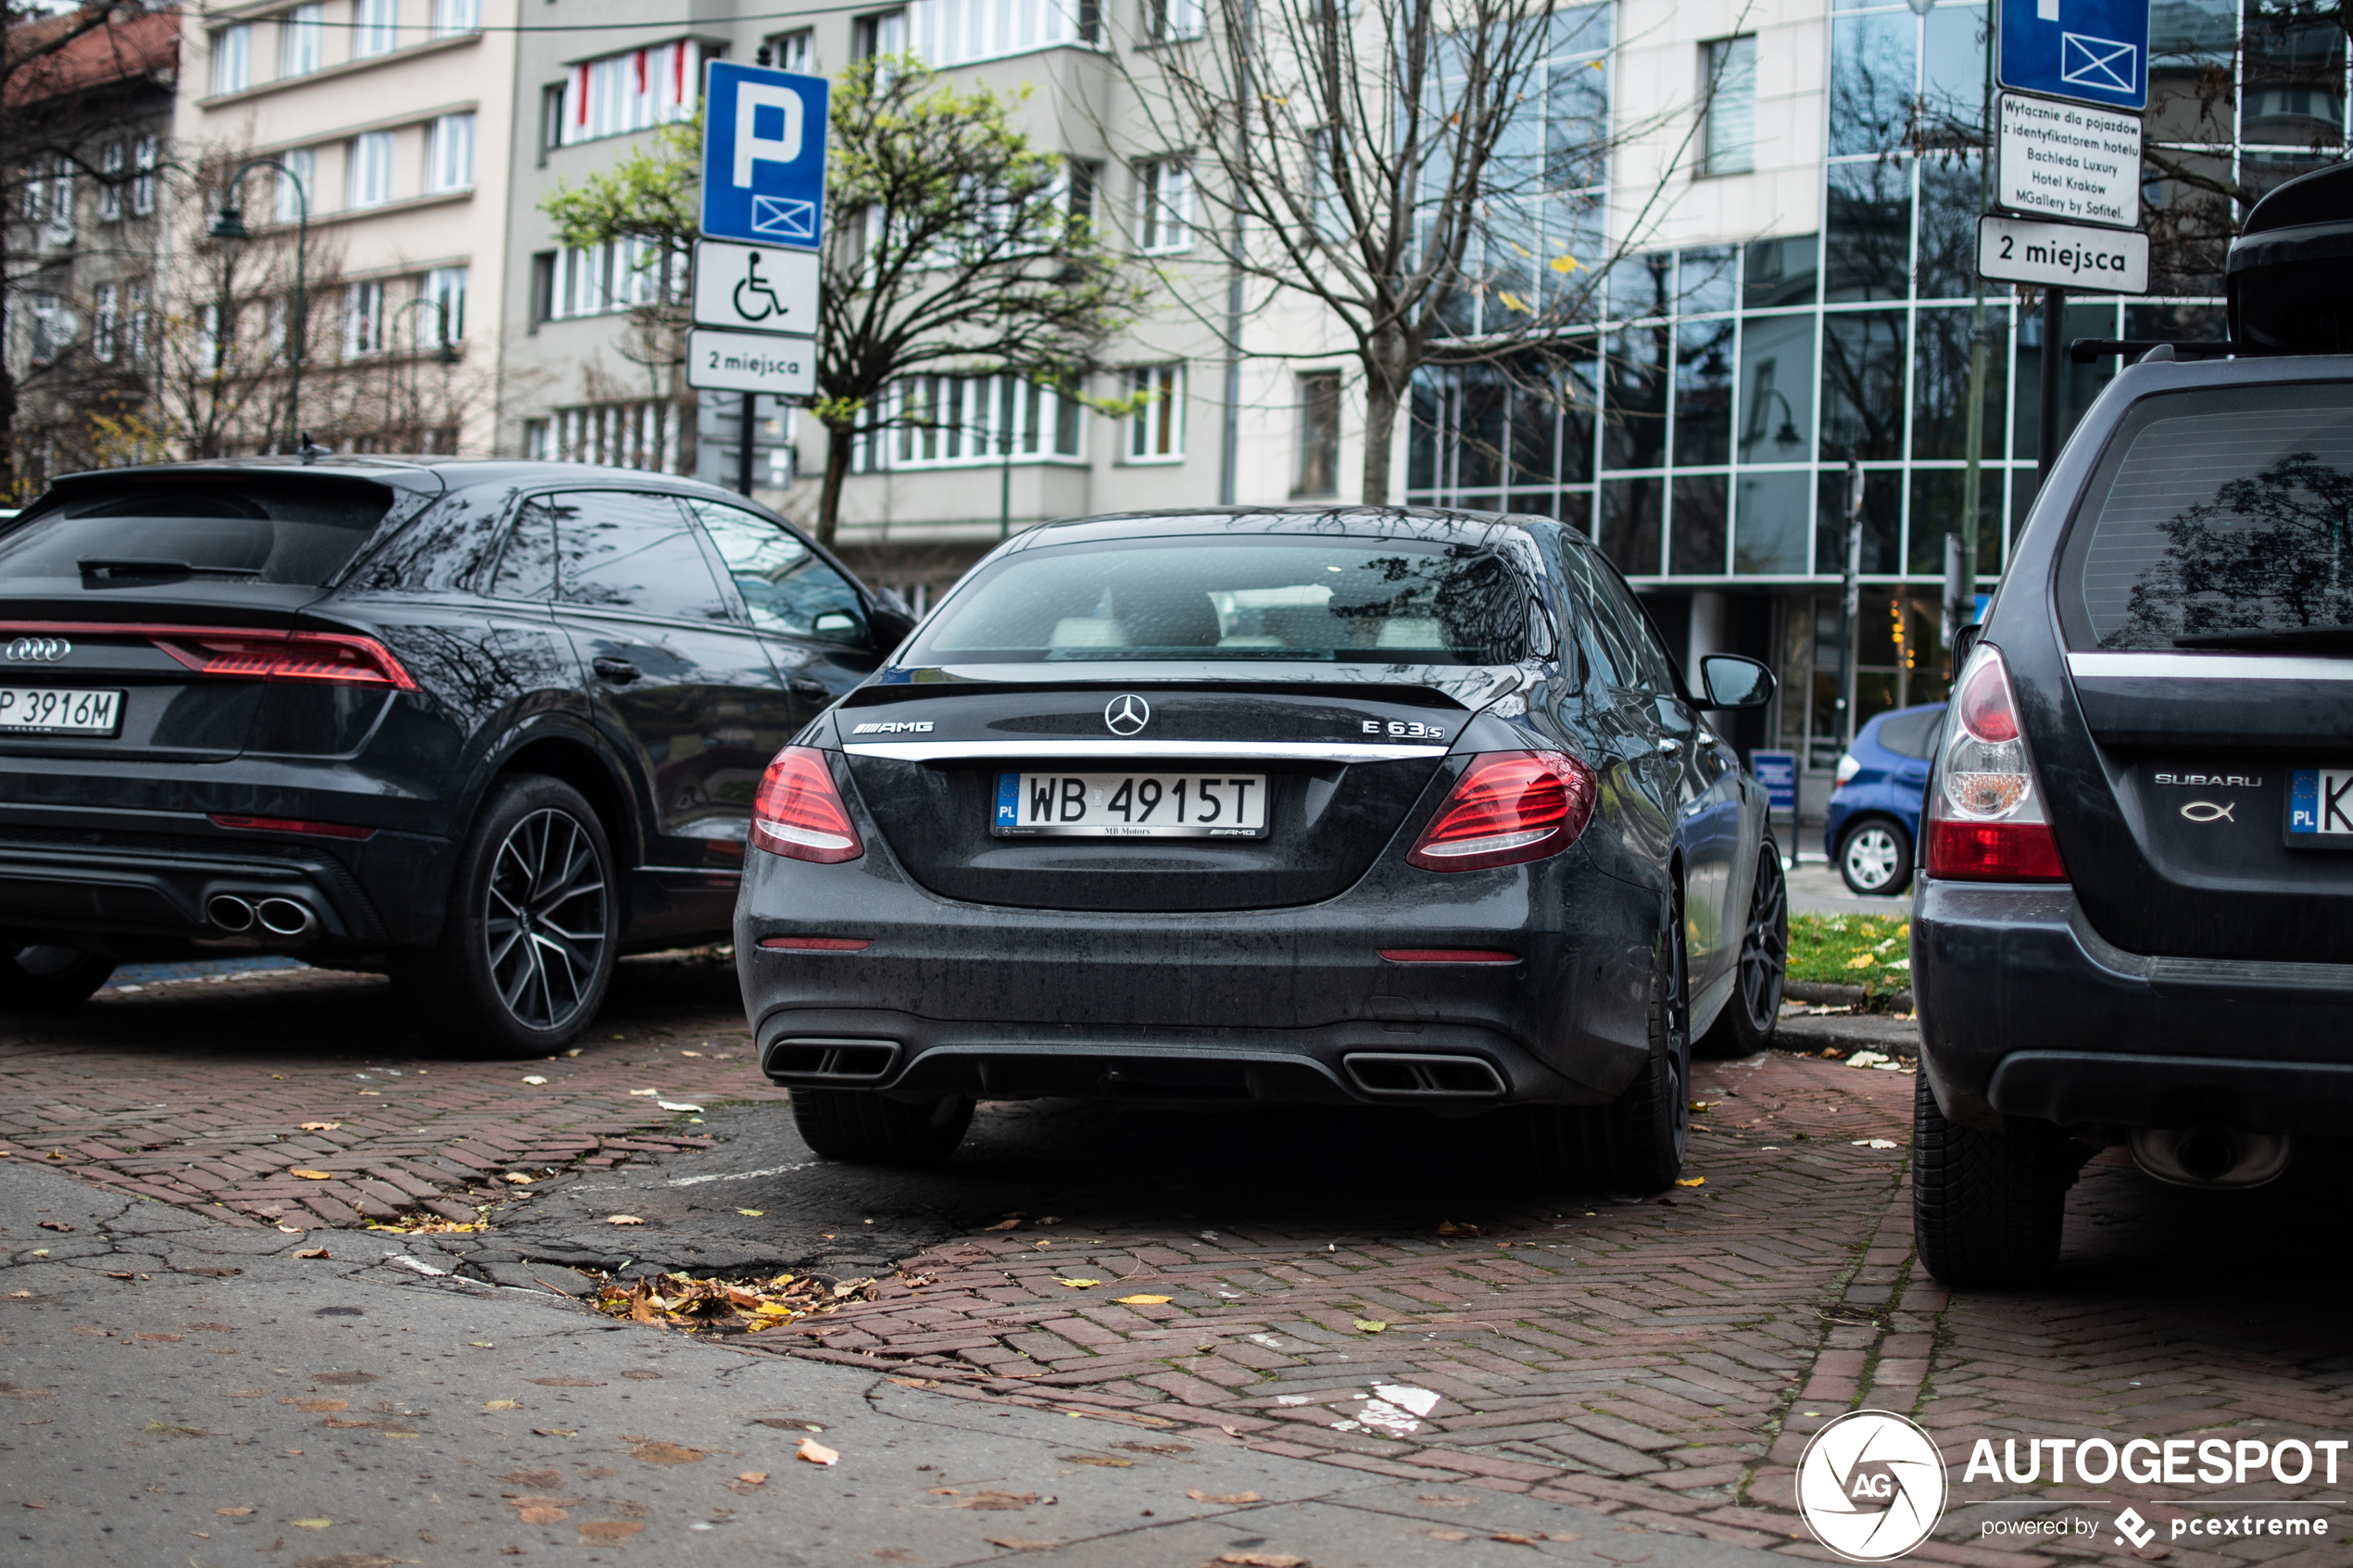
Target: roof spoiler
2286,280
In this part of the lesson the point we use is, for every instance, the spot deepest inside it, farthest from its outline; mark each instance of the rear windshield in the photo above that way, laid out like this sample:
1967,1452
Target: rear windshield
301,531
2217,518
1345,599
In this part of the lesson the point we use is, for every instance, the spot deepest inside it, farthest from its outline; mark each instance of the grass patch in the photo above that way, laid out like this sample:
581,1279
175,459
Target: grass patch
1873,951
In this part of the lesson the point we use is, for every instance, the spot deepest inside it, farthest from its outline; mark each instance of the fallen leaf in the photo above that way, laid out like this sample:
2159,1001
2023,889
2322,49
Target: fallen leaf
622,1220
1104,1460
554,1431
1875,1143
533,1078
1448,1227
1229,1498
309,1524
502,1404
313,1175
607,1531
1691,1181
565,1382
816,1452
751,1213
1022,1543
1515,1537
752,1477
1078,1284
17,1391
321,1126
644,1091
677,1105
542,1513
310,1252
518,1178
89,1333
232,1513
1143,1300
1263,1560
158,1338
538,1480
1370,1325
317,1406
1012,1225
643,1375
997,1502
54,1226
659,1452
1444,1535
166,1429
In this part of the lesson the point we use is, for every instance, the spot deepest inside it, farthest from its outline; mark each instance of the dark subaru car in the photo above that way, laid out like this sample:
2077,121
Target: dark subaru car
485,724
2134,921
1352,807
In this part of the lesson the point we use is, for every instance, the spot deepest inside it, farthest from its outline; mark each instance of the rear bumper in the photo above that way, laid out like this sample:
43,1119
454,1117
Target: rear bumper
2026,1011
1282,1005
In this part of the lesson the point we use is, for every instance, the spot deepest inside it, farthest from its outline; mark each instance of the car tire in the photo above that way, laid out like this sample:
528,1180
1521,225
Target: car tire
1636,1143
1752,1012
1988,1207
861,1127
1875,857
526,949
44,978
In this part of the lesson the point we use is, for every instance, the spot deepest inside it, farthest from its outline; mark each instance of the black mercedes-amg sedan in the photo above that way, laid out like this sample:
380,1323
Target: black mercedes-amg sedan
484,724
1355,807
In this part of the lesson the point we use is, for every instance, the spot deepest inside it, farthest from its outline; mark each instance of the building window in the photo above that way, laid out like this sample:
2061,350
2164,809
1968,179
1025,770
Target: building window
295,182
972,421
793,51
111,167
1164,206
446,286
1168,20
135,319
59,193
363,319
232,59
884,33
376,27
449,153
630,91
626,435
1156,431
370,156
952,33
142,179
1728,80
1318,434
301,33
105,322
453,16
618,275
536,445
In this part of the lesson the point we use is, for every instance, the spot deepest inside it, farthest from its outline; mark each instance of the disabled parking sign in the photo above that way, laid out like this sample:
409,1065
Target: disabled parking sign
2091,50
763,156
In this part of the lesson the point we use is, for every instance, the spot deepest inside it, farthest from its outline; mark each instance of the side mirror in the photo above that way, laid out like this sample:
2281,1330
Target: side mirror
1731,681
889,621
835,626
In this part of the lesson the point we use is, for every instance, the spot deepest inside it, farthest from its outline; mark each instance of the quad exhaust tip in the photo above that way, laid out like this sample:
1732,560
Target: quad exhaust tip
2211,1157
278,917
1399,1074
229,913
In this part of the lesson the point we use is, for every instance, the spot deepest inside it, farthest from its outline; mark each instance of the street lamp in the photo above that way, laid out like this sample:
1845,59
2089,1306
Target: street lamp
445,356
229,228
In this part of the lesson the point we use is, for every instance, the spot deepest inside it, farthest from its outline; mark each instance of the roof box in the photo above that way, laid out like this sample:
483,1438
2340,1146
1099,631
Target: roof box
2290,276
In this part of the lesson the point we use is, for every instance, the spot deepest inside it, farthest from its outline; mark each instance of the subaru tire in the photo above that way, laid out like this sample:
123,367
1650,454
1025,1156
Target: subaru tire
1988,1207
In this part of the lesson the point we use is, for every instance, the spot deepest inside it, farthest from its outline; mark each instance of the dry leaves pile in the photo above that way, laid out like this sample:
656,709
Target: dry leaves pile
432,1224
717,1306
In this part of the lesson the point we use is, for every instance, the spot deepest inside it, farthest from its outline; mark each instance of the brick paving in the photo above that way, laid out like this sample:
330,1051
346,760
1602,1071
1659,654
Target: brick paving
1665,1359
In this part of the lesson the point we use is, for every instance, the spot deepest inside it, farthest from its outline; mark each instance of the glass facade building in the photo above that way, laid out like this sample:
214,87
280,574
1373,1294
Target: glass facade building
1701,427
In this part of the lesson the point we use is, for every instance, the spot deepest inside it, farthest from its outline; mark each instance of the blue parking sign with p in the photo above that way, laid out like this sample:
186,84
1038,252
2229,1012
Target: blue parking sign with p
2092,51
763,156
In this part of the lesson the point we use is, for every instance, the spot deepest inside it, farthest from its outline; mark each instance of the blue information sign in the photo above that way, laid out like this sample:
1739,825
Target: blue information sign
2092,51
1777,771
763,156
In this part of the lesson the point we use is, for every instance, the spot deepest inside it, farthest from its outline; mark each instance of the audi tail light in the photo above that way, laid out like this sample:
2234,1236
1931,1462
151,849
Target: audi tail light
1985,819
798,812
334,658
1509,807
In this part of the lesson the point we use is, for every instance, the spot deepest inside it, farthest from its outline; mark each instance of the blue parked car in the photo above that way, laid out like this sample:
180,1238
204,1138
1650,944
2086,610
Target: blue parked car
1874,814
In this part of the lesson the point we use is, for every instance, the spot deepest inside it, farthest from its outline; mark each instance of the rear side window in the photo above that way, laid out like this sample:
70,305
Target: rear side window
263,530
1910,734
2217,518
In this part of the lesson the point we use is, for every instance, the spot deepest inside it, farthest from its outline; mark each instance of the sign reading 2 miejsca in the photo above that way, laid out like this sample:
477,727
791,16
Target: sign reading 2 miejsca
2092,51
2013,250
784,367
2063,160
763,156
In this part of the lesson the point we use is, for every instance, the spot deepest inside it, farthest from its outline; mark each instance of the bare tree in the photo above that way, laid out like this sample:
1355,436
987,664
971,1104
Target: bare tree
1431,172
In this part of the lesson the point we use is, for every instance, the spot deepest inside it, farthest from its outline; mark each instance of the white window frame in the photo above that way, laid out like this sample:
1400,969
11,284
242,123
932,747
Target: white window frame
449,153
301,166
111,161
1164,206
1156,431
1173,21
367,181
635,90
363,319
447,285
135,317
453,18
232,60
145,154
882,33
617,275
1728,130
105,322
946,420
375,28
795,51
302,40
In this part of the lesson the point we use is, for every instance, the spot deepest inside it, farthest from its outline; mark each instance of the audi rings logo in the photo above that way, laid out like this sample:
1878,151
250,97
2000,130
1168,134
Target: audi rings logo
1871,1485
38,651
1127,714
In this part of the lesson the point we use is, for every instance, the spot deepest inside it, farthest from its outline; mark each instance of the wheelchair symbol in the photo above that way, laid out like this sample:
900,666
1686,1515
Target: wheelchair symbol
759,290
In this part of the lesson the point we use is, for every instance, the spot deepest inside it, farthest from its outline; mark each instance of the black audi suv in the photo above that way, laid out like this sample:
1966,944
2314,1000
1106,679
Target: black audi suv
1357,807
2134,923
485,724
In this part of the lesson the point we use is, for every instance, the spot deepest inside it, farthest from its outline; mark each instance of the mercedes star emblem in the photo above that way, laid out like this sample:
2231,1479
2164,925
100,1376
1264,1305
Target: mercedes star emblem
1127,714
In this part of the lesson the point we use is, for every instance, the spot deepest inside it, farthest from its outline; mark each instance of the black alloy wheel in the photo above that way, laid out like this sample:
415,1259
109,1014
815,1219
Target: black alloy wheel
45,978
1752,1012
1636,1143
527,951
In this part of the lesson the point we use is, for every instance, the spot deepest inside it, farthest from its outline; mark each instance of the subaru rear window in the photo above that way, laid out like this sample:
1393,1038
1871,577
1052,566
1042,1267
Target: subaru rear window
267,530
1339,599
2219,519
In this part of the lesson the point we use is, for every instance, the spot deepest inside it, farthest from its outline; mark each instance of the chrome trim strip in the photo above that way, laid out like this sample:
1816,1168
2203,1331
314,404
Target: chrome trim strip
1268,750
2187,665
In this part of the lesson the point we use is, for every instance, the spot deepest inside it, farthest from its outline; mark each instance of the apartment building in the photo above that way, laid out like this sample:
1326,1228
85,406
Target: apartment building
371,134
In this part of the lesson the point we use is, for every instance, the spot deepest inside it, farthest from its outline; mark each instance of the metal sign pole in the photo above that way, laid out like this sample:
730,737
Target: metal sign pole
2053,352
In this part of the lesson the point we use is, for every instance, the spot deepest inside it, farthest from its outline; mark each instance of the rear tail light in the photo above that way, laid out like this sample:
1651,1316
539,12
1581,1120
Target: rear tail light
1987,821
1508,807
332,657
798,812
1848,766
291,824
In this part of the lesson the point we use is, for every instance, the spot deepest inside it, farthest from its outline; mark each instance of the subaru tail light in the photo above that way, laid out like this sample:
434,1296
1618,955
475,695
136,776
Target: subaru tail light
1508,807
1987,821
798,812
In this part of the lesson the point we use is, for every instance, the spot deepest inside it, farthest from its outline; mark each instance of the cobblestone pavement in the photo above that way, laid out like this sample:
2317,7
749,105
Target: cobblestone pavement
1663,1359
